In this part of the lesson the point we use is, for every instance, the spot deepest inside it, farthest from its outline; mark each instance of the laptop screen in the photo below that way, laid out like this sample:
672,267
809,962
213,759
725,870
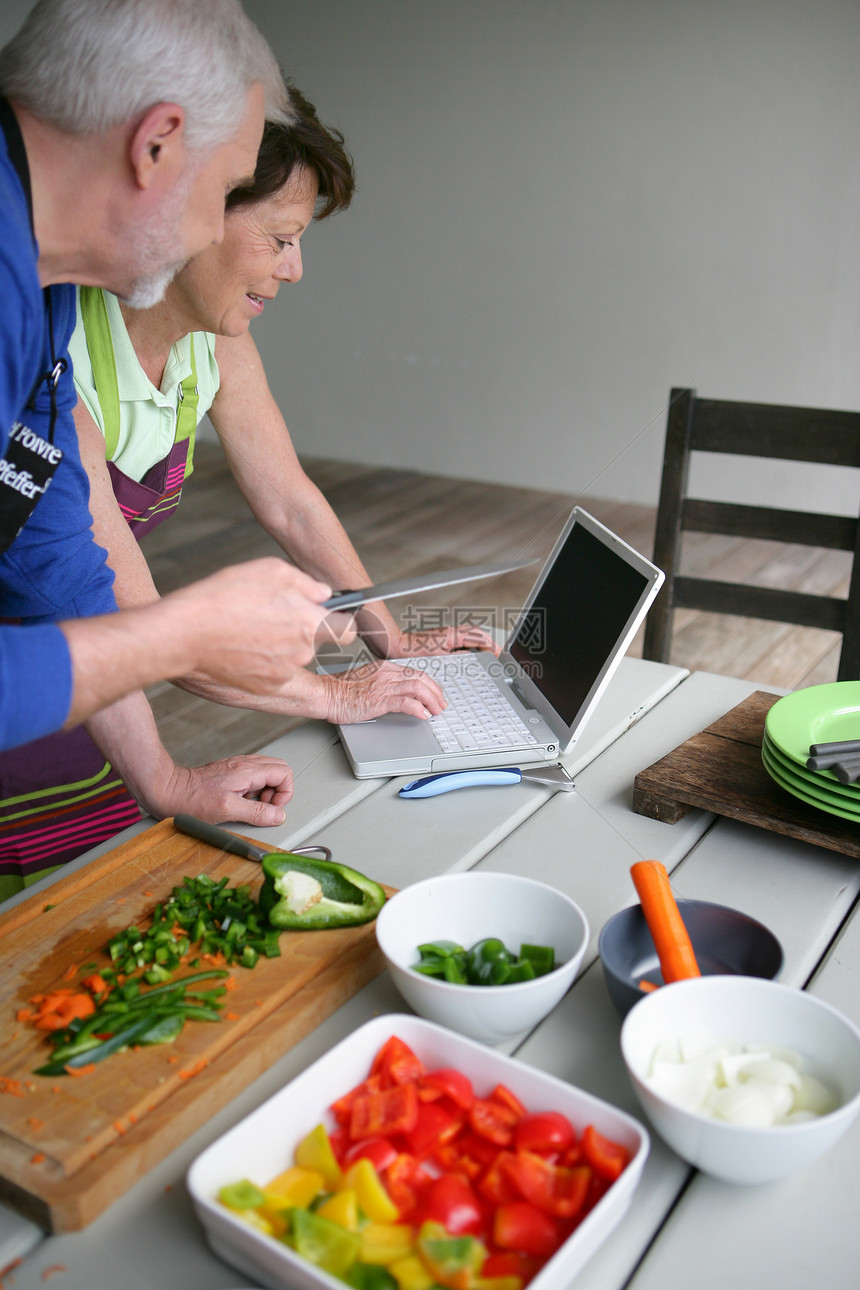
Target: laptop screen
571,628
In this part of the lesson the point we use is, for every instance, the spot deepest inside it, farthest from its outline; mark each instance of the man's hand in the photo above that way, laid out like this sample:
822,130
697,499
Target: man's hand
444,640
252,789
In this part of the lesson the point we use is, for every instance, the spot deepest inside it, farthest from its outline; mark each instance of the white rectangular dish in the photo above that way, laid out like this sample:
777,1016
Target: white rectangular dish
262,1145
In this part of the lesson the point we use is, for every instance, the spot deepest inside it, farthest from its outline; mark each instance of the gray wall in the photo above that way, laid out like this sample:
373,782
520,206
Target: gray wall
565,207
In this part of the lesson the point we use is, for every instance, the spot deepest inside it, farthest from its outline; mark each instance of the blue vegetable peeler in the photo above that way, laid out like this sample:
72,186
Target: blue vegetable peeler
431,785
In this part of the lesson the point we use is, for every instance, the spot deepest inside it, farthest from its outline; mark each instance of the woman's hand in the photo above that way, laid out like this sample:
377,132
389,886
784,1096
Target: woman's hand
252,789
385,639
376,688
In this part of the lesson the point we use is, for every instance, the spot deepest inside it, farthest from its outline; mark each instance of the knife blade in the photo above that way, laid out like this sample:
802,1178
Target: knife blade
500,776
237,846
423,582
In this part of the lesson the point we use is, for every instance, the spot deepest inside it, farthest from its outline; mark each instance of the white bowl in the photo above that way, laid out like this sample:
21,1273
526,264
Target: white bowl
262,1145
466,907
749,1010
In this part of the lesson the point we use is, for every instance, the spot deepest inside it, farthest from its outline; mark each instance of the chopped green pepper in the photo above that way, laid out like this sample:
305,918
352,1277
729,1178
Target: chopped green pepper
241,1195
302,893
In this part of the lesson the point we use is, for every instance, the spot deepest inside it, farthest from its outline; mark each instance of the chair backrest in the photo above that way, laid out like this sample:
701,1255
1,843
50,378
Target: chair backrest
757,430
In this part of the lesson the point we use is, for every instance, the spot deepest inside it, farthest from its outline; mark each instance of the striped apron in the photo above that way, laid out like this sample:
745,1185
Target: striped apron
59,796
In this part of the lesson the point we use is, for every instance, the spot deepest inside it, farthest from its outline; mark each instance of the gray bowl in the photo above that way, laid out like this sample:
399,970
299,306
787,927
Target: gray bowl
725,942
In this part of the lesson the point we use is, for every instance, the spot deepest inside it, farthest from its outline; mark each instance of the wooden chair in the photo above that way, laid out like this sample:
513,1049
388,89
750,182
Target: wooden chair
759,430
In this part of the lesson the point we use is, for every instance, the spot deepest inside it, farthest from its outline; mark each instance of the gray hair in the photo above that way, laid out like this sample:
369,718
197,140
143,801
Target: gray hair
85,66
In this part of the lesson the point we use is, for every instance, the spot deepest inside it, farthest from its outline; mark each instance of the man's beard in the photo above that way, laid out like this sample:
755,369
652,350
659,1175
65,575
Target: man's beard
158,250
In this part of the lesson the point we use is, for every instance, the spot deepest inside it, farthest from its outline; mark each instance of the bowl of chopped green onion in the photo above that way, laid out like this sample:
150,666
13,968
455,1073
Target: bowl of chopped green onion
485,954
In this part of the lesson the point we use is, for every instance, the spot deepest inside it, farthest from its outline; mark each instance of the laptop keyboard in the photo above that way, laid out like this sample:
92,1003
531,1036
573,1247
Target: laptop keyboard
478,717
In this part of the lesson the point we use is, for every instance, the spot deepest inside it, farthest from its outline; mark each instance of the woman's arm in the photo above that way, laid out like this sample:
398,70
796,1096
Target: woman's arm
292,509
358,696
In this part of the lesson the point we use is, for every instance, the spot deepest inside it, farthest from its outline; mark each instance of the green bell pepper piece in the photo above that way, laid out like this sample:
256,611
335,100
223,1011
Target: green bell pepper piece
324,1243
489,962
346,897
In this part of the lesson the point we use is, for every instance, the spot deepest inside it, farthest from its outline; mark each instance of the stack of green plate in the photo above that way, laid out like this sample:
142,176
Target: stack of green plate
819,714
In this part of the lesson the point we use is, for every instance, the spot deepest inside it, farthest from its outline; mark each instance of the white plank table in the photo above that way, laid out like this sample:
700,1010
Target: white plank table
795,1233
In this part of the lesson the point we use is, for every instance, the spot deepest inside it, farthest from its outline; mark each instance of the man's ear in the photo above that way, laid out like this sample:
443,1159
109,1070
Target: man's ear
157,147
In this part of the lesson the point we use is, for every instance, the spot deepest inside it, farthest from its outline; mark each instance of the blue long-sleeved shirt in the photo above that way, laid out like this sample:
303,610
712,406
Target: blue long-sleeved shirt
54,569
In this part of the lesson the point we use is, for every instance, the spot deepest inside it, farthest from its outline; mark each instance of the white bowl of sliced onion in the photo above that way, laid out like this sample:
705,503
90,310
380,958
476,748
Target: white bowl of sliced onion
746,1079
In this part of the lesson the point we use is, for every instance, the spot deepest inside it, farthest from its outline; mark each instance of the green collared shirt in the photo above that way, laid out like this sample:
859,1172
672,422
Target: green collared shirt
147,428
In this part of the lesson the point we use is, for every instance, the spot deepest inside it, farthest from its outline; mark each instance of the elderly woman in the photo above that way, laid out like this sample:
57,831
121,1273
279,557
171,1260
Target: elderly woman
144,380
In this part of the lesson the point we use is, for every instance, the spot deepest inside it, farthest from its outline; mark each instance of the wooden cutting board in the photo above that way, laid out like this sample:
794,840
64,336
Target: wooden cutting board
721,770
69,1146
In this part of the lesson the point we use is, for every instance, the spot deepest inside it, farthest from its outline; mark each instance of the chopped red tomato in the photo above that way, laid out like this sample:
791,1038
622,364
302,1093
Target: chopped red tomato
447,1082
381,1153
506,1098
607,1158
375,1115
342,1108
404,1181
523,1227
553,1189
436,1123
547,1132
395,1063
496,1186
450,1200
493,1121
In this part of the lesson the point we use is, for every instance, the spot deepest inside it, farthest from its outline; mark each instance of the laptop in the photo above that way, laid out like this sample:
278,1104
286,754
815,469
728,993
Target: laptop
535,698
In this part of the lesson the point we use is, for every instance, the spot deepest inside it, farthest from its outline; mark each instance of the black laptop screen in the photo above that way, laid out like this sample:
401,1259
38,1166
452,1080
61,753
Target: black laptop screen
575,619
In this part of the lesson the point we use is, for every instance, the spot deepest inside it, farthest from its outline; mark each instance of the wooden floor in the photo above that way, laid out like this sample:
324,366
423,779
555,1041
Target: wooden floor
400,521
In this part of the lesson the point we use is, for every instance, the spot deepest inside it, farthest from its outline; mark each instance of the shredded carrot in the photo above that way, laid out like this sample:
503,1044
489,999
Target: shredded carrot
132,1118
10,1267
171,1060
231,1016
80,1070
119,1126
57,1010
670,936
647,987
37,1158
258,1003
9,1085
55,1088
230,983
193,1070
55,1267
95,983
24,1014
35,1123
70,972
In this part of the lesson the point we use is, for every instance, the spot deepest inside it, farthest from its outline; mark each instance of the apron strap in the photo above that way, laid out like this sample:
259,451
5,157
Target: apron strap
94,316
186,413
100,346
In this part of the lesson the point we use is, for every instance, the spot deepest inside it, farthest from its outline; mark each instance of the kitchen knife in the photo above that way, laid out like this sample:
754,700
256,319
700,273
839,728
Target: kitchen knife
235,845
422,582
431,785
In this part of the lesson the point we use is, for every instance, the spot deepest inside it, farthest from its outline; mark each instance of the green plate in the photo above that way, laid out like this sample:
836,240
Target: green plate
817,715
778,777
821,783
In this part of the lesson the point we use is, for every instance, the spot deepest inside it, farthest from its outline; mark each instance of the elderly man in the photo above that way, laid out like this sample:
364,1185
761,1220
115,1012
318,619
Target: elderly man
124,126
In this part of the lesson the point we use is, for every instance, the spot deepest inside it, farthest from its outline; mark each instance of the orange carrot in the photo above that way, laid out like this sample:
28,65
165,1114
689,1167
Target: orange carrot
646,986
670,936
61,1007
95,984
37,1158
80,1070
10,1085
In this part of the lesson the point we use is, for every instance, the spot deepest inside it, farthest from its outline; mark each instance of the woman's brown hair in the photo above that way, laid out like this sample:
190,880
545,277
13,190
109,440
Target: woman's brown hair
306,144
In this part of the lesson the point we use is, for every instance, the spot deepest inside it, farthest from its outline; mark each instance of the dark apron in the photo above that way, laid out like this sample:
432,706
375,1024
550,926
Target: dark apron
58,796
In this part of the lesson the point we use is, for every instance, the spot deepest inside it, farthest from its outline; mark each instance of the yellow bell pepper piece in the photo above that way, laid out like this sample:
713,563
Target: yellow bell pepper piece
385,1242
254,1219
411,1274
277,1216
373,1199
511,1282
341,1208
315,1152
295,1186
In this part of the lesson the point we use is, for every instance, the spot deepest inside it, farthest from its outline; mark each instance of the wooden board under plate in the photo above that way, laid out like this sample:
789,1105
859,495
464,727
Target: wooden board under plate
69,1146
721,770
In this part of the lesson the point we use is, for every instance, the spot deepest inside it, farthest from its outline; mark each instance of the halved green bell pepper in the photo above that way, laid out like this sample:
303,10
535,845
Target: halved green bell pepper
302,893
